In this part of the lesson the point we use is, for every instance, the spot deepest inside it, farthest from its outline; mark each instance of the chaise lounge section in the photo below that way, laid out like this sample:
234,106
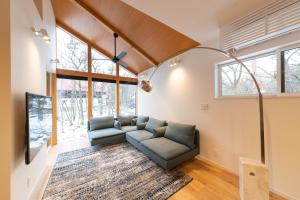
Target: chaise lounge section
102,130
169,145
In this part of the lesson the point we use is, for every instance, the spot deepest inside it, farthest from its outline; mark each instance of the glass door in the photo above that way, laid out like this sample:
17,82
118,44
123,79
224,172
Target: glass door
104,98
72,109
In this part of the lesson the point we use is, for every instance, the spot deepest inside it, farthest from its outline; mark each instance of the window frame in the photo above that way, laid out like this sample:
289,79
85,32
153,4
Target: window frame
98,52
90,75
280,73
77,38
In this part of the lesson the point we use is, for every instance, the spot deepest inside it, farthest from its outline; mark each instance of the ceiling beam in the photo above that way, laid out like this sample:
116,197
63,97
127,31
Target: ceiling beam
87,41
113,29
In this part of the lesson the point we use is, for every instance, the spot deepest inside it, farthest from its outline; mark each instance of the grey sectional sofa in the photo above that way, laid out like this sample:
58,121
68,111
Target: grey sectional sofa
168,144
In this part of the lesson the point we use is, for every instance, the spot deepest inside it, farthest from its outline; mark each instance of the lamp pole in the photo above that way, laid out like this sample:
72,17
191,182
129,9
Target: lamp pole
260,98
145,85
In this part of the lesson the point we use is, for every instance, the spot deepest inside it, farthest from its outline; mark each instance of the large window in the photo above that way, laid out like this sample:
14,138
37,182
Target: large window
128,99
291,69
276,72
92,93
104,98
102,64
72,106
125,73
71,52
236,81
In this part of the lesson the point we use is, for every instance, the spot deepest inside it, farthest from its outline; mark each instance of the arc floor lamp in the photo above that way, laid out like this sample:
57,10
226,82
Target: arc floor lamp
251,185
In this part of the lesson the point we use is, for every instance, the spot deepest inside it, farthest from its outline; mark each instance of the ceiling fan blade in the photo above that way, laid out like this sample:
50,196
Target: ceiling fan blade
121,55
122,64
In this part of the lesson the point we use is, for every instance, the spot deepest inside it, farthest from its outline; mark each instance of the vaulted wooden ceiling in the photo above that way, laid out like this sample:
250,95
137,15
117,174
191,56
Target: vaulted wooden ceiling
147,41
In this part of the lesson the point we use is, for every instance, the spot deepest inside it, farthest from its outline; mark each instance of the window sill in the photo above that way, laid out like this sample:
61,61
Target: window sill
266,96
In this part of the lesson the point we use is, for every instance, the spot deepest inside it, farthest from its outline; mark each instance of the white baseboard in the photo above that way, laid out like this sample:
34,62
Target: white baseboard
40,186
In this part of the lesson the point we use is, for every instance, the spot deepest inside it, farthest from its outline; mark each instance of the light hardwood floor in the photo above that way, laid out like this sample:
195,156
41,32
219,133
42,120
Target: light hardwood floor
209,181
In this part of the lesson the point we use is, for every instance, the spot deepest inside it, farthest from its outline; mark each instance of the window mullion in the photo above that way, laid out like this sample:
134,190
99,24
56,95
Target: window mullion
90,82
118,90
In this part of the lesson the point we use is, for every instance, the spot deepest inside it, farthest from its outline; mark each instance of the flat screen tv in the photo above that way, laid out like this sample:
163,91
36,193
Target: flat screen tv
38,123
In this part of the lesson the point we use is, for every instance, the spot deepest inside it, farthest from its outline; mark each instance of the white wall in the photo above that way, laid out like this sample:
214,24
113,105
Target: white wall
30,56
230,127
5,101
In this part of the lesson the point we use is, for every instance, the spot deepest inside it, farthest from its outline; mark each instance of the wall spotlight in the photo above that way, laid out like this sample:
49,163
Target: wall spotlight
52,65
174,63
42,33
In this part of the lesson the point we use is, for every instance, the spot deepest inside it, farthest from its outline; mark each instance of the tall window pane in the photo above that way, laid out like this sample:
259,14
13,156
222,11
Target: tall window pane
71,52
128,99
125,73
292,70
236,81
104,99
72,106
101,64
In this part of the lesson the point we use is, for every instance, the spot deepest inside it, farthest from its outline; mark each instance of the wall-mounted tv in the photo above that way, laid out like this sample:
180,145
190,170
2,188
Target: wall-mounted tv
38,123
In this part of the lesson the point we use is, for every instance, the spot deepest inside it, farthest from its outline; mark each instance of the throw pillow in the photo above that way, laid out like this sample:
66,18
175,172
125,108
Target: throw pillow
159,132
125,120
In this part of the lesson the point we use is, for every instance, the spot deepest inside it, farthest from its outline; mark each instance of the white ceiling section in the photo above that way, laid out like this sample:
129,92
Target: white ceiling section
198,19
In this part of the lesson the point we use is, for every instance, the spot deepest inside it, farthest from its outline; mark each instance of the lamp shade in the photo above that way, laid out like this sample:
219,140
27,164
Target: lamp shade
146,86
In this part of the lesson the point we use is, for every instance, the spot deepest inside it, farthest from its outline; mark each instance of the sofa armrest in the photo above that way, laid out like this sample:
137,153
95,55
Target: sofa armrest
159,132
197,140
141,126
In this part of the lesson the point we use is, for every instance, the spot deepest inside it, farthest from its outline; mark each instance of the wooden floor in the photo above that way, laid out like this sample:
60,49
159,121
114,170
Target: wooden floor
209,182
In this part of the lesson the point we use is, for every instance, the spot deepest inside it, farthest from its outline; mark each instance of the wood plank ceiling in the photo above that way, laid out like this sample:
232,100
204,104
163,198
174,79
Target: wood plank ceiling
147,41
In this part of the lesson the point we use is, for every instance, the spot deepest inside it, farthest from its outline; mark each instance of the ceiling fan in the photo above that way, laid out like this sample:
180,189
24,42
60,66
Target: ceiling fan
116,59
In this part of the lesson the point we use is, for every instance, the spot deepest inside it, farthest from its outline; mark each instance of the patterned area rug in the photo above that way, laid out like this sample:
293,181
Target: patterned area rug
111,172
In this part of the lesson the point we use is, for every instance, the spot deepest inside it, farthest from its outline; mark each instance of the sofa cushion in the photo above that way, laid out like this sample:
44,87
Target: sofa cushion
128,128
142,119
153,124
140,135
101,123
133,122
182,133
141,126
165,148
159,132
125,120
103,133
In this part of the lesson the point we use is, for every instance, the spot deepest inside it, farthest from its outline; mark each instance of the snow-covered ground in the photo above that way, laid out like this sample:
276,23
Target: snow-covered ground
67,132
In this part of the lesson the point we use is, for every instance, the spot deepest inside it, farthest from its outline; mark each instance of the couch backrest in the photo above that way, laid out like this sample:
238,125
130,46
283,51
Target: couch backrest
97,123
142,119
125,120
153,124
181,133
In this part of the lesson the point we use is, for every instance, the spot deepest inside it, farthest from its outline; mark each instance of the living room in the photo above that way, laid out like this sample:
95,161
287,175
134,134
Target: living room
150,99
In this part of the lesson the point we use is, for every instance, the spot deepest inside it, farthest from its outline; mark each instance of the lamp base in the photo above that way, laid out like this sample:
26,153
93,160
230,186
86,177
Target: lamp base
254,180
